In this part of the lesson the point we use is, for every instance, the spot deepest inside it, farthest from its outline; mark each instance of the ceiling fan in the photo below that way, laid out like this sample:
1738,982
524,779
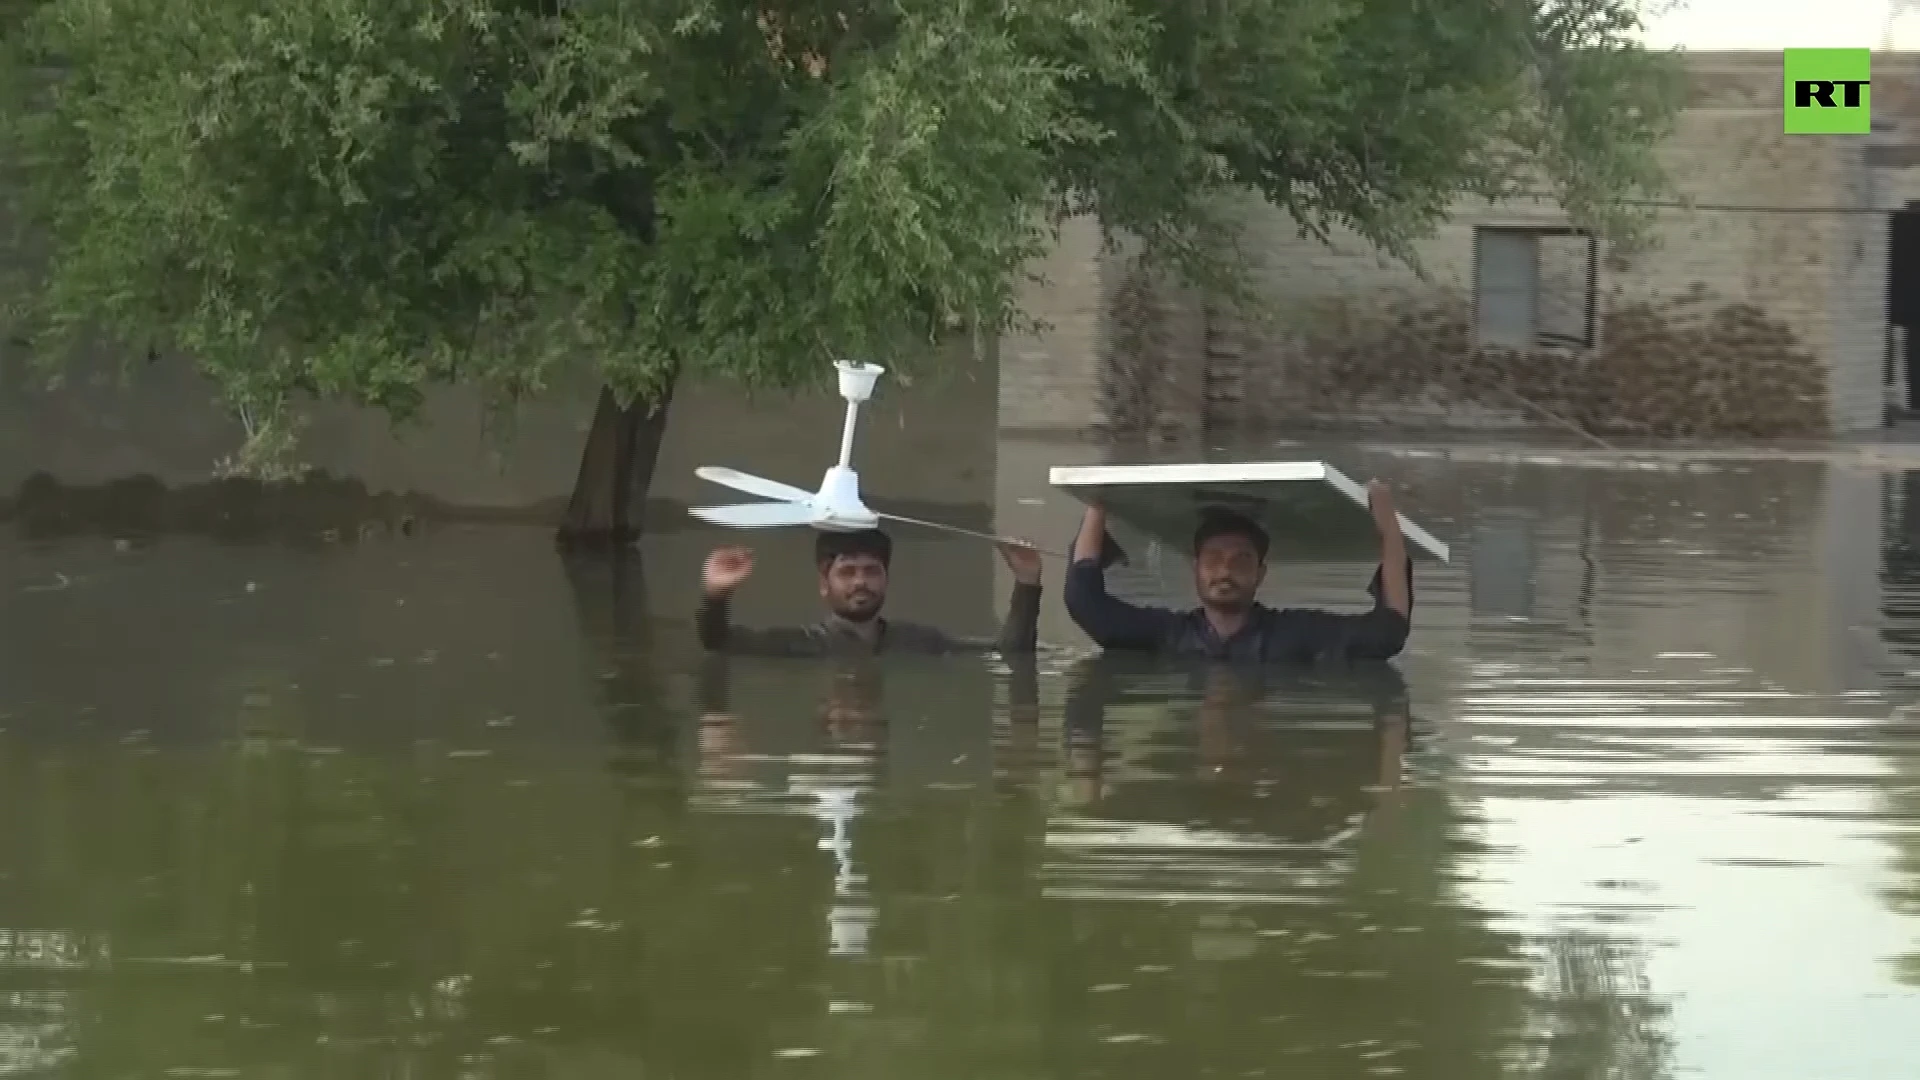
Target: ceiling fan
836,506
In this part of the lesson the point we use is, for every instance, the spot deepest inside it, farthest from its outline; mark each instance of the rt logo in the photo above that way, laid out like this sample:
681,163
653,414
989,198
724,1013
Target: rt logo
1829,91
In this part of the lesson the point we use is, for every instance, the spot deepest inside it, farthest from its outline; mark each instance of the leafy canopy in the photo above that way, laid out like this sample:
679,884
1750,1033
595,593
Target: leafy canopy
359,198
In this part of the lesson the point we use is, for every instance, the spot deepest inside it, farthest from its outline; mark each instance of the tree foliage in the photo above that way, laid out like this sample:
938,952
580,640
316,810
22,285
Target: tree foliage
359,198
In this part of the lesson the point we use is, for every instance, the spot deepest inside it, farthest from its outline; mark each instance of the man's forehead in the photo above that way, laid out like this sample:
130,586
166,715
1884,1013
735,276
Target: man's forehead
861,560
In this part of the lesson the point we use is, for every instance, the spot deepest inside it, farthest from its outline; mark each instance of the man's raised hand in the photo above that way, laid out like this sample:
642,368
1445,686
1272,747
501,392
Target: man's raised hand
726,568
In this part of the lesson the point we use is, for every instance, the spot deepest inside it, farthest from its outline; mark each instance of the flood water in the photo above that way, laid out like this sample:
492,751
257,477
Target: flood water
1643,801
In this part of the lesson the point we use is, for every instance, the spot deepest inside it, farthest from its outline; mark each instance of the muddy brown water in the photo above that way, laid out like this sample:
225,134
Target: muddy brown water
1643,802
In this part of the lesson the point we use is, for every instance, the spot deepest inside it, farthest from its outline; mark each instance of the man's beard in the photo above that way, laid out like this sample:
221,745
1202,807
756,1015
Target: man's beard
859,607
1227,596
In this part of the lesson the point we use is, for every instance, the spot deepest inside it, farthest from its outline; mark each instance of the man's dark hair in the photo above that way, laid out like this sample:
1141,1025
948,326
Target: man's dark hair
1216,521
829,546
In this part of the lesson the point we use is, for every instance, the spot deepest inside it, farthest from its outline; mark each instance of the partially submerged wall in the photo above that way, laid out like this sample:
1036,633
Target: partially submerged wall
1732,322
933,441
931,445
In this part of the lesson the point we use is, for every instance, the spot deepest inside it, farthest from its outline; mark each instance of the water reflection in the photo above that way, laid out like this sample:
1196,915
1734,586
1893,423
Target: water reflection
1255,865
1641,800
1900,587
1595,1013
833,784
1332,743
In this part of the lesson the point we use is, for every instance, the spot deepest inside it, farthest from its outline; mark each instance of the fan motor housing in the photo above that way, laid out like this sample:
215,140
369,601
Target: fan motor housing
837,504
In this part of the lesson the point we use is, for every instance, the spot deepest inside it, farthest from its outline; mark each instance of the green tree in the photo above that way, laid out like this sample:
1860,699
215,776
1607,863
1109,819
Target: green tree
357,199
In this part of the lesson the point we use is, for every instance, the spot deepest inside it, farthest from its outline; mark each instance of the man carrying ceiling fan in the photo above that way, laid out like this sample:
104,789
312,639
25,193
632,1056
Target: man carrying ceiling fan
854,572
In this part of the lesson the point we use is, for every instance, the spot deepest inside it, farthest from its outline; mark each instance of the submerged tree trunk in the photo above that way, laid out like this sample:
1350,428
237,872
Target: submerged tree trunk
616,471
622,664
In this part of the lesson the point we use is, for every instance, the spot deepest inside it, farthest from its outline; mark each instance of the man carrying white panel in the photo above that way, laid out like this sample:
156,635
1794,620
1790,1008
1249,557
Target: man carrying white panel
1230,562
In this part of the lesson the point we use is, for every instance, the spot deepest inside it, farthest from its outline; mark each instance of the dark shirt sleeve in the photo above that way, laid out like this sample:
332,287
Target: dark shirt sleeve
1023,684
1020,630
715,684
1379,634
718,634
1112,623
1313,636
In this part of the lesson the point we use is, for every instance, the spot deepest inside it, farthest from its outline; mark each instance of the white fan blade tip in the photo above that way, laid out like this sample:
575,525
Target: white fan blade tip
769,515
751,485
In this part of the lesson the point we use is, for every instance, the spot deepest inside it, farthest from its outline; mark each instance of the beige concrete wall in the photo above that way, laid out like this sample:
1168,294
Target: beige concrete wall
1736,155
1821,275
1817,276
930,441
1051,379
1857,298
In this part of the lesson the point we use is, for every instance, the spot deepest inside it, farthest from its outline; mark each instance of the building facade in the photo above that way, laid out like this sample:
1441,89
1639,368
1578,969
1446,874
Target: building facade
1759,308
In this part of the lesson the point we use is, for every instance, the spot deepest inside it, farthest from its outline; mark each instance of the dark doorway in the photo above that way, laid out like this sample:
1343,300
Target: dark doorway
1903,294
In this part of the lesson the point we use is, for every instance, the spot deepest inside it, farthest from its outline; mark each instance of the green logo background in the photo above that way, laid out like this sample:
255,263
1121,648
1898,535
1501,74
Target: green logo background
1829,64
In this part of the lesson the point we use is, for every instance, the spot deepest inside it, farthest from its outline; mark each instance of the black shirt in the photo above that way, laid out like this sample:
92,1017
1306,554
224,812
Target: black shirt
1019,634
1287,635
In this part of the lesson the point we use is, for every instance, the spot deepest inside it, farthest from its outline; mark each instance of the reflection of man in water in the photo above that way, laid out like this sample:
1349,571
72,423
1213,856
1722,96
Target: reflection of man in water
834,794
1245,729
1222,696
854,574
851,711
1230,563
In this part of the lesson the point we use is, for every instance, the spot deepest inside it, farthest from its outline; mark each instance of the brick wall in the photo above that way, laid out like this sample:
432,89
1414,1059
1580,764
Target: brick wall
1809,282
1050,380
1084,371
1732,322
1857,298
1152,350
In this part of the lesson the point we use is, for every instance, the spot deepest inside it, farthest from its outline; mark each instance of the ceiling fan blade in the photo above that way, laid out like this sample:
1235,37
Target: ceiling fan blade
750,484
958,531
769,515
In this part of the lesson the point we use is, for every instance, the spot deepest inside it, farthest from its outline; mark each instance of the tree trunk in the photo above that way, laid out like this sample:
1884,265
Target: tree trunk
616,471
